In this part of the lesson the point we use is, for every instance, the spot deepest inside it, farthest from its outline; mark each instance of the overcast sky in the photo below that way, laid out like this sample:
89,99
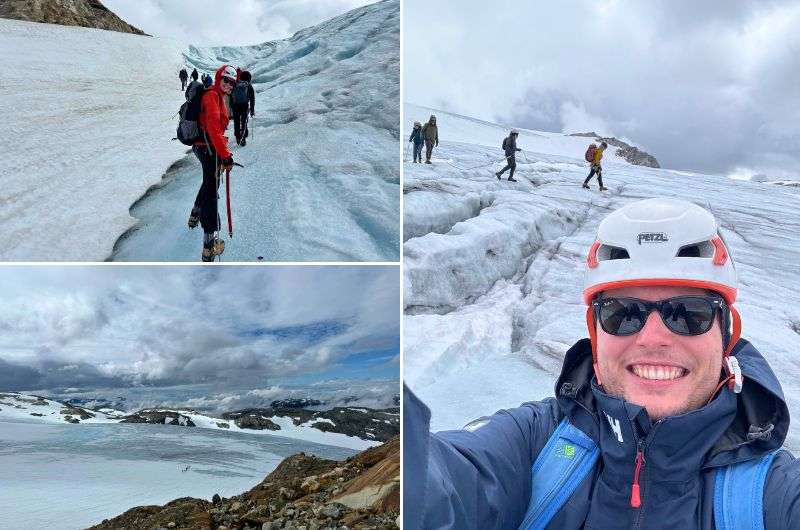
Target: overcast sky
248,327
217,23
709,86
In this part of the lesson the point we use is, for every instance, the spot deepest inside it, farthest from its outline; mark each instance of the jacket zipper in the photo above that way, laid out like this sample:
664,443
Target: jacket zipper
636,497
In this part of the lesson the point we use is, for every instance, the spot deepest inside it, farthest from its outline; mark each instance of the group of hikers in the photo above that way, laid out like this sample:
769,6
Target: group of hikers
427,135
207,113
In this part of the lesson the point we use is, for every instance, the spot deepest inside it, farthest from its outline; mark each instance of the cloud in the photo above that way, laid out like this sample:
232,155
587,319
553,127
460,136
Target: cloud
704,87
122,326
213,23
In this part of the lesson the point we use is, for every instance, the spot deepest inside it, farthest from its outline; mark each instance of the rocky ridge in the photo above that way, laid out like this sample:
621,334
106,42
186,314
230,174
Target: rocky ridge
630,153
83,13
304,492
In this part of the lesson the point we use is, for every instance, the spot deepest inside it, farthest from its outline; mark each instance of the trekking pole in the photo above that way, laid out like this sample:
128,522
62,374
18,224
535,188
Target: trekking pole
228,201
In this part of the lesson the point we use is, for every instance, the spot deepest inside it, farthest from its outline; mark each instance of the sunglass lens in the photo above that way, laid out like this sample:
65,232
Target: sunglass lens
620,316
688,316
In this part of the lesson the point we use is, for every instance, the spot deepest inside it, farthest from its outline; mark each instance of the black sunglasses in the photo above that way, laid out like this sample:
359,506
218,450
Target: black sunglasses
683,315
229,81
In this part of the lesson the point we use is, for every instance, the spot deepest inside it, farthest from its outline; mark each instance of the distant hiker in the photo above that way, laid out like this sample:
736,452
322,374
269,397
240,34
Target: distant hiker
194,74
594,155
243,96
510,148
193,87
214,155
431,135
183,76
207,81
418,141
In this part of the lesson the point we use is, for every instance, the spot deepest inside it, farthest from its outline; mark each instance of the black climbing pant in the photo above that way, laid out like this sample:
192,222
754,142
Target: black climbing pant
596,170
183,84
240,121
206,200
418,152
512,165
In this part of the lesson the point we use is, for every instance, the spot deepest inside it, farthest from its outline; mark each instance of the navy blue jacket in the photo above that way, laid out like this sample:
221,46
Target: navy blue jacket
480,477
416,137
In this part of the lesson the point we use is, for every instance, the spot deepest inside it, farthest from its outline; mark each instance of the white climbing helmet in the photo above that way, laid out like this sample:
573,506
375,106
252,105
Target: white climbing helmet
660,241
514,131
229,71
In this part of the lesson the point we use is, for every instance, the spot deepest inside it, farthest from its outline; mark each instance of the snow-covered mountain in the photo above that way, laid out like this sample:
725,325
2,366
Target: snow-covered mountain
84,13
494,269
351,427
91,115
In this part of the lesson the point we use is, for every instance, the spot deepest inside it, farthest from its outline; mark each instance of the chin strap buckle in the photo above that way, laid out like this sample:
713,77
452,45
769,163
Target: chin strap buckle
736,372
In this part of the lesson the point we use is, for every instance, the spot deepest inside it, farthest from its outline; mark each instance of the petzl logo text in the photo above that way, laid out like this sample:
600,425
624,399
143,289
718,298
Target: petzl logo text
653,237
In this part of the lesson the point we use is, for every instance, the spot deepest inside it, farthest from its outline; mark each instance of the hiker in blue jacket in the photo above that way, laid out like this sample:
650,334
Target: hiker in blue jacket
418,141
665,420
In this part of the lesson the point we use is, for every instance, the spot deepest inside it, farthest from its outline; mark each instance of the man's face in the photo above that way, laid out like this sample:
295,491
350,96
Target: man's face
629,365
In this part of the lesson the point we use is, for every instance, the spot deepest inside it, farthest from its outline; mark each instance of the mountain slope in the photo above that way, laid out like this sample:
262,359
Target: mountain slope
84,13
494,270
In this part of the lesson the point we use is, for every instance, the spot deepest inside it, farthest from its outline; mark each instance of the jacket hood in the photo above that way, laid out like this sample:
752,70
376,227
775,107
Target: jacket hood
759,417
218,75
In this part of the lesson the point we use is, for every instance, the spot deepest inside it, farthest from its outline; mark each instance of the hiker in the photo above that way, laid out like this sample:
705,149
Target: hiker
663,418
594,156
418,140
510,148
193,87
215,157
207,81
431,135
194,75
183,76
244,101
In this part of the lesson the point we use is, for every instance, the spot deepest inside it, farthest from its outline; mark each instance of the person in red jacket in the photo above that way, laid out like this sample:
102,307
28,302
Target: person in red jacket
214,155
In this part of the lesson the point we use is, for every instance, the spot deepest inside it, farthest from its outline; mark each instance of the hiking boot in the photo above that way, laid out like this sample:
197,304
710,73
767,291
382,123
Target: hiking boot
428,162
585,186
512,179
216,248
603,189
497,174
244,142
194,217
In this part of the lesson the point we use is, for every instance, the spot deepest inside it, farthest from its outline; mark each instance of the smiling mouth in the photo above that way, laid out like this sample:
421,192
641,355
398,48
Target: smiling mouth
657,372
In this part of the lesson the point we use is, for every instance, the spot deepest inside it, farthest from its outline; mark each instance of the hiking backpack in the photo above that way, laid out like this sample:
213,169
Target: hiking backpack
505,141
589,156
570,455
239,95
188,129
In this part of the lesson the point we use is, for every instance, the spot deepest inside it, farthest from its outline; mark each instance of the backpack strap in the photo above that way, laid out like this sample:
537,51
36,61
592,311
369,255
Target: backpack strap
739,494
561,466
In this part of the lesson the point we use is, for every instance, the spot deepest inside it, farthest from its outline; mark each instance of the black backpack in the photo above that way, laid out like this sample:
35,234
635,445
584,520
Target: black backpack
188,129
504,143
240,93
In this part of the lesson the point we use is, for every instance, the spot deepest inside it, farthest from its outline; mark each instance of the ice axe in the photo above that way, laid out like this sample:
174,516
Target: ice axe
228,201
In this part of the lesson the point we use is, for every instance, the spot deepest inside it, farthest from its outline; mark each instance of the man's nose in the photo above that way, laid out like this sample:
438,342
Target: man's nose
654,333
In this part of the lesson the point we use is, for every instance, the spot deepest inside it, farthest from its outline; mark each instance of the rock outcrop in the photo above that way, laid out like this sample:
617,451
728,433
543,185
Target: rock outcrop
630,153
84,13
304,491
163,417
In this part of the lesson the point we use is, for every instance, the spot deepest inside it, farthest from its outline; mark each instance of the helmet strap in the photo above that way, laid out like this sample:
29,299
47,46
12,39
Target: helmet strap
590,324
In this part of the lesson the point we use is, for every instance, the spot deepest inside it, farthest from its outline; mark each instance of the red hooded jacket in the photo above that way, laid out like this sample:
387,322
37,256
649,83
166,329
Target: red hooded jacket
214,117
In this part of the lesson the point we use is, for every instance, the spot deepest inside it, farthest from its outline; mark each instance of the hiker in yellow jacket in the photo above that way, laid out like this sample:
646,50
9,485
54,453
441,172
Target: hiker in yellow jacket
596,167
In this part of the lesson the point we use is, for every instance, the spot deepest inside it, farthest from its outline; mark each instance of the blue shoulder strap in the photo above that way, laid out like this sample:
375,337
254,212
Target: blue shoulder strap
561,466
739,494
